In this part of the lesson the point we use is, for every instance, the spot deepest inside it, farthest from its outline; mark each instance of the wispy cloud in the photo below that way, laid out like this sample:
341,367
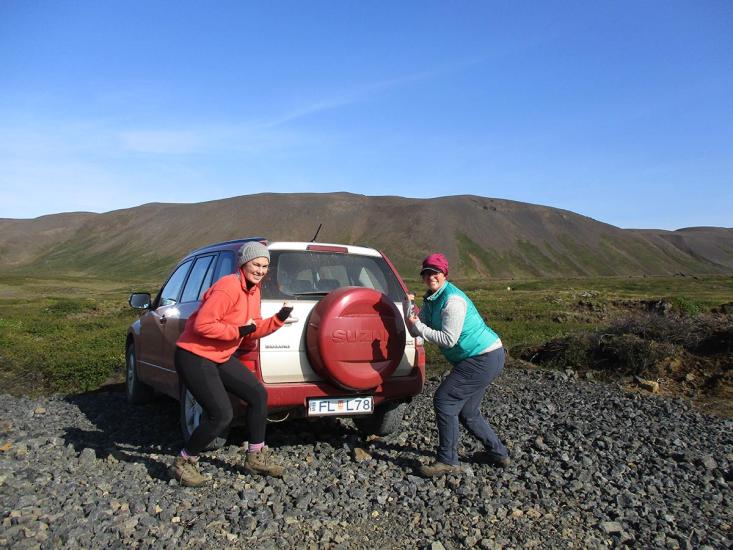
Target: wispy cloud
163,142
365,92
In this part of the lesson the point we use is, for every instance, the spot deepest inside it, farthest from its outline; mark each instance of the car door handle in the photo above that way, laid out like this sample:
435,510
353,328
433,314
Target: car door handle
290,320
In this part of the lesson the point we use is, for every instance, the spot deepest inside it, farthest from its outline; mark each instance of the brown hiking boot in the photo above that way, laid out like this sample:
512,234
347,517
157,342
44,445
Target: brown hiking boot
438,468
492,459
261,462
187,473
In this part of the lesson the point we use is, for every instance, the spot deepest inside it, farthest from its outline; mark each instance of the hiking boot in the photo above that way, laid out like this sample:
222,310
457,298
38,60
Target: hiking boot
187,473
492,459
261,462
438,468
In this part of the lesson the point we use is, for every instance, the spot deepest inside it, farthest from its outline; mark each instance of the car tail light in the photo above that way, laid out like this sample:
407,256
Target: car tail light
327,248
249,356
419,356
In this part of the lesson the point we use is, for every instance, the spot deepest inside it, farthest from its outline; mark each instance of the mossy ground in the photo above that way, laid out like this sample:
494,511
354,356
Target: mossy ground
68,334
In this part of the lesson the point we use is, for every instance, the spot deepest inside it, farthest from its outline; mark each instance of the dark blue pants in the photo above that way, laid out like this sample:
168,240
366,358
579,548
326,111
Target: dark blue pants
460,395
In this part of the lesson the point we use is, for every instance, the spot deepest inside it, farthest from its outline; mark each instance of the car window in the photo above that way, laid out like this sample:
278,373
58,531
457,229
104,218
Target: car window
306,274
171,290
225,267
208,279
194,283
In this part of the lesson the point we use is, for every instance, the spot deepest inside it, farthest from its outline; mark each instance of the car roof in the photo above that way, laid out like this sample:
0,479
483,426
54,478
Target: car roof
324,247
228,245
287,245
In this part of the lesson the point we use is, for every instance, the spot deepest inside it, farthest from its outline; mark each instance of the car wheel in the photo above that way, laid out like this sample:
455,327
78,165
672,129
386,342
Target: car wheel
137,391
190,417
355,338
386,419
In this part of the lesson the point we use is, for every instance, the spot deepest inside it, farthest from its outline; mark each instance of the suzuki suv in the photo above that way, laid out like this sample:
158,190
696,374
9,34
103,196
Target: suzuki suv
344,350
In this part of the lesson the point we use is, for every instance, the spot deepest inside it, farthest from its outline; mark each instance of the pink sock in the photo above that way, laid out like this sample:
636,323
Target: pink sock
255,447
187,456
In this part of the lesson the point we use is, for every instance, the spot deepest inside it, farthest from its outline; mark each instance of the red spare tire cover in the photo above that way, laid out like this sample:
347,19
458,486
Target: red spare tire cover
355,337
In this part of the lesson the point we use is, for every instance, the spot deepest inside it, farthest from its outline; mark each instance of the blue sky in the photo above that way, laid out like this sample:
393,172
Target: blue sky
621,111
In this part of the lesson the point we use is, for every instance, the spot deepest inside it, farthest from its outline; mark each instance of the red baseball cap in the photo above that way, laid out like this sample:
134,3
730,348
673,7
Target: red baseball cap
436,263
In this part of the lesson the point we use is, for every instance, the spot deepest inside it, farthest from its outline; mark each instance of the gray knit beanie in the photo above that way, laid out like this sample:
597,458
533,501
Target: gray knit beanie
251,250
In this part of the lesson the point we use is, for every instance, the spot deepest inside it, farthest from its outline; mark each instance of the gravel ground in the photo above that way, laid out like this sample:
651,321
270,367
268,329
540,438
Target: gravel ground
592,467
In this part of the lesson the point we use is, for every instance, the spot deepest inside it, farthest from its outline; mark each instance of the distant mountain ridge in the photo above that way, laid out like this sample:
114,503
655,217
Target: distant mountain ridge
481,236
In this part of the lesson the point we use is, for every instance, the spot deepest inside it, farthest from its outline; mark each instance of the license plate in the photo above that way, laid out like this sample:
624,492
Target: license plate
324,406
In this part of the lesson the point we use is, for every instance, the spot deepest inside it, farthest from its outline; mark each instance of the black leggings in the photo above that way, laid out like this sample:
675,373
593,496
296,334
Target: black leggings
209,382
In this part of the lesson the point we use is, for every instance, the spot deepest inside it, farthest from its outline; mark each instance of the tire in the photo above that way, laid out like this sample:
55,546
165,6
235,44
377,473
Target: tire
355,338
386,419
190,413
137,391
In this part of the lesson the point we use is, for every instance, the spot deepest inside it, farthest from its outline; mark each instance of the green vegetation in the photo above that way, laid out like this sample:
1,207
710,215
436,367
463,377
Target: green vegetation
540,310
65,335
68,334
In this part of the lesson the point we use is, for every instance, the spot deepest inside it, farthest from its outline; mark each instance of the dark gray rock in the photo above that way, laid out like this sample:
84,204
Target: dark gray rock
622,469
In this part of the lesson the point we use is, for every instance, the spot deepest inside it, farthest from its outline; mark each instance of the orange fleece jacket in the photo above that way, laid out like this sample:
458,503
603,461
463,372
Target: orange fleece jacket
212,331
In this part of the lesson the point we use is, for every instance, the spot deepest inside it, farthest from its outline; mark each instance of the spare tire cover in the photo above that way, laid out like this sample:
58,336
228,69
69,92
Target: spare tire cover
355,337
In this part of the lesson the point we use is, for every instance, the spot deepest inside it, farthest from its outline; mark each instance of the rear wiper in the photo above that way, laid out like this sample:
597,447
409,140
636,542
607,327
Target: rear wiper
311,293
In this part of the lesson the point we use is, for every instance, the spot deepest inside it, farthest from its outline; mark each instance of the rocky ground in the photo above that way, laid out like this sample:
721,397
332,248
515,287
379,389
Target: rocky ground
592,467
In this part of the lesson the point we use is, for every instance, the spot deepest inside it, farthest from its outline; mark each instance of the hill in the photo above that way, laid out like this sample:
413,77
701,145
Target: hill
481,236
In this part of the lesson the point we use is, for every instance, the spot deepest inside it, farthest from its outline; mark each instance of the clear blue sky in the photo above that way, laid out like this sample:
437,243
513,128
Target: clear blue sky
618,110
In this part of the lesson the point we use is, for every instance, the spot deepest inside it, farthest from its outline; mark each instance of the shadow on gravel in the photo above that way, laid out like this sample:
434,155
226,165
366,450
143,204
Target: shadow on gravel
149,434
127,433
379,450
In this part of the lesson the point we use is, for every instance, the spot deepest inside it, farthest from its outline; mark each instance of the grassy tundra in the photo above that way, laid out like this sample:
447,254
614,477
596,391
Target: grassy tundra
67,335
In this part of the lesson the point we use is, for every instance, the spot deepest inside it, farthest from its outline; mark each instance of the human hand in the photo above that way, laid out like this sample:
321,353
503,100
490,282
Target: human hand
248,328
284,312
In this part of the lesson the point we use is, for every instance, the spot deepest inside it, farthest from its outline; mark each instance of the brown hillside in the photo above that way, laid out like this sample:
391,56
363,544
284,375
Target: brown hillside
710,243
22,241
481,236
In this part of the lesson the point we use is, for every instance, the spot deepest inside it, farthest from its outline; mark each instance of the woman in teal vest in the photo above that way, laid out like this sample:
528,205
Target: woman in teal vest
449,319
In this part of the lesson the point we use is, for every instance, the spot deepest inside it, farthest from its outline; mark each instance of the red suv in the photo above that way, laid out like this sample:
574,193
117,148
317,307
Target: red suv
344,350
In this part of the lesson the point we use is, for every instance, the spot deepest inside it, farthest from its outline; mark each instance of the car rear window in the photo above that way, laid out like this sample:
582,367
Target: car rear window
300,274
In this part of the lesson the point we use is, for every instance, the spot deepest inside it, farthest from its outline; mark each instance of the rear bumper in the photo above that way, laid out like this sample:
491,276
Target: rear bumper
294,397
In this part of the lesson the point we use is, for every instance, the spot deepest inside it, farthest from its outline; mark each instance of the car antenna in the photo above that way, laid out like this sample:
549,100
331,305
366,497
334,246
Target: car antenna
317,231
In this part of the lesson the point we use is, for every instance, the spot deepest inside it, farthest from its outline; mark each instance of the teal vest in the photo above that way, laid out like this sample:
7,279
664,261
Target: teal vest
475,336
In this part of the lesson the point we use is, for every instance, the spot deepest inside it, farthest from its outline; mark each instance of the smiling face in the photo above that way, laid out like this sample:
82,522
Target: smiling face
433,280
255,270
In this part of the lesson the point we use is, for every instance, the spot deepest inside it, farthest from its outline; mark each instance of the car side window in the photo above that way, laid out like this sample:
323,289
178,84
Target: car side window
201,268
208,279
225,267
172,289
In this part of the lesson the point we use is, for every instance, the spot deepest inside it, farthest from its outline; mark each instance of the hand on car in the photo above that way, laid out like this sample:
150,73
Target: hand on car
411,315
284,312
248,328
411,320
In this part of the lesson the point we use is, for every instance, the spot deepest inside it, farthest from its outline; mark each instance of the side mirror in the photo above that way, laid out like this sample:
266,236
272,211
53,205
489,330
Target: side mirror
140,300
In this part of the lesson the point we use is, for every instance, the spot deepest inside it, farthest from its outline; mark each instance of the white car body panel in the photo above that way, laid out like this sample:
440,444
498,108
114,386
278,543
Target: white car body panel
283,354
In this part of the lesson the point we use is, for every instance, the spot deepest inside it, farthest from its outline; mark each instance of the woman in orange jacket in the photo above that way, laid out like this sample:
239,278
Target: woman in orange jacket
228,315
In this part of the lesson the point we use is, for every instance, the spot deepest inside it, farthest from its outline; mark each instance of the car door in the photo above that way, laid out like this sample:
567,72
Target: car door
197,282
153,325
